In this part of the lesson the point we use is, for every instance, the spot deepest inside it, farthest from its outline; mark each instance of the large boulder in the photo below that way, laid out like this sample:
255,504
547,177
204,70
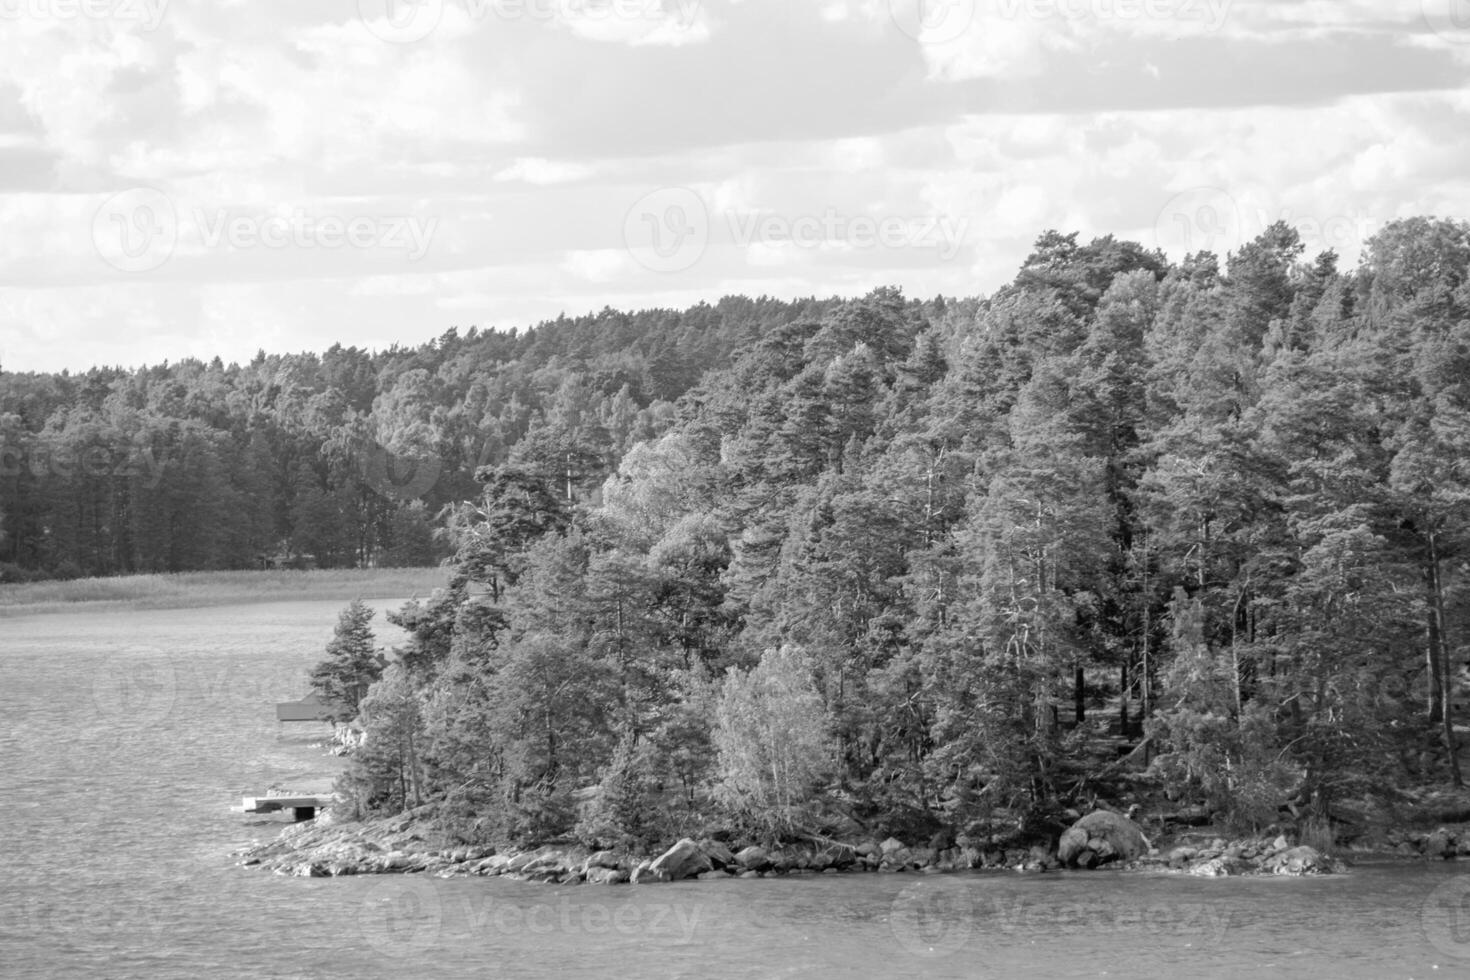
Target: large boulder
753,858
1108,836
718,853
683,860
602,859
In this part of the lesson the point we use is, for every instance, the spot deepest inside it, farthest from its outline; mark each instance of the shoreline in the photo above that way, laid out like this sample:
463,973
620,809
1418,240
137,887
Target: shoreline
203,590
406,844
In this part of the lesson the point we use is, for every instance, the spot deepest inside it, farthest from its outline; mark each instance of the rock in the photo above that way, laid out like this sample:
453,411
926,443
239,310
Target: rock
1221,867
1303,860
800,858
785,860
518,862
753,859
898,859
493,865
1180,856
922,856
606,876
683,860
718,853
602,859
402,861
712,875
890,845
838,856
1280,844
550,862
869,848
1439,845
1110,836
750,874
642,874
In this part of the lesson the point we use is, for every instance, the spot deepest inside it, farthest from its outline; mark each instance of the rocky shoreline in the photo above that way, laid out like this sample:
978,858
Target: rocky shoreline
1102,839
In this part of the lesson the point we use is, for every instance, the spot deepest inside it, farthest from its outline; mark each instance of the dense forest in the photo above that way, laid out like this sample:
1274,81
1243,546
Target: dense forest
346,457
877,562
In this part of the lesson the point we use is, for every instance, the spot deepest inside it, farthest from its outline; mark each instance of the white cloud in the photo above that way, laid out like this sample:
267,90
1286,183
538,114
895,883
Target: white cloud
543,172
600,265
665,23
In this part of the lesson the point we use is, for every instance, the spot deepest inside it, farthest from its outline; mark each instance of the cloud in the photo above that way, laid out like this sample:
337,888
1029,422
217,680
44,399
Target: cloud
527,135
543,172
600,265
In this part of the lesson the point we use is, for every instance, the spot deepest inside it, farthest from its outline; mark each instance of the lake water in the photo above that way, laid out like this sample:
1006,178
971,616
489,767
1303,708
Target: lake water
126,737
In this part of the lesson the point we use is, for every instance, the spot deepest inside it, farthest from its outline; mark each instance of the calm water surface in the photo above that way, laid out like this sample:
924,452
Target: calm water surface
126,737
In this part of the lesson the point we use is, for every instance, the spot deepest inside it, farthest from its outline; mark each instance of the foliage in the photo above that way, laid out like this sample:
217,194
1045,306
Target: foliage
773,744
352,663
386,773
910,563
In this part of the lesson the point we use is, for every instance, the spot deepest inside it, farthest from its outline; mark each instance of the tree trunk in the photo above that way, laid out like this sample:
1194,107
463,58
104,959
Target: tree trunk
1439,654
1123,699
1079,698
1431,647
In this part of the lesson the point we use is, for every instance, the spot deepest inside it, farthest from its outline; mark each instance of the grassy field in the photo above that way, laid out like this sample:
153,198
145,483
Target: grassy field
197,589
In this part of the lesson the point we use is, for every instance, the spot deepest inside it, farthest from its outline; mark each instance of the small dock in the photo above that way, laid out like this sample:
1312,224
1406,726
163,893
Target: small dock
309,708
301,807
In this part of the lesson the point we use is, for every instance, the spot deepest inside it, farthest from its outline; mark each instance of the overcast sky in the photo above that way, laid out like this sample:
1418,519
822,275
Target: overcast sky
183,178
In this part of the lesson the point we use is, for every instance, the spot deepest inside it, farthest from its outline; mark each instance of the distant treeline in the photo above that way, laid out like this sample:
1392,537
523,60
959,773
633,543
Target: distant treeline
347,456
885,559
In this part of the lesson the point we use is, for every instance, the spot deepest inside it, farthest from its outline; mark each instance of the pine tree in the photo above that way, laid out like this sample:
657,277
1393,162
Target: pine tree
352,664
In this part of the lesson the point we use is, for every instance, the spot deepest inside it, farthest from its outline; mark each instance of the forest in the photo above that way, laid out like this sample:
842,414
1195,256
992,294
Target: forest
796,567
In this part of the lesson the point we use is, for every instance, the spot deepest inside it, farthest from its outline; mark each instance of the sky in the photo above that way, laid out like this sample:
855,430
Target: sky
197,179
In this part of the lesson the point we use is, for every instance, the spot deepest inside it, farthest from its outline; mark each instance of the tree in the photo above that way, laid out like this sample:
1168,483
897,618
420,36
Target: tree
386,773
516,508
353,663
771,736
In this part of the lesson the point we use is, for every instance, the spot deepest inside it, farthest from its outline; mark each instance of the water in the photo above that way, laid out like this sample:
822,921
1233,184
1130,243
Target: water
126,737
